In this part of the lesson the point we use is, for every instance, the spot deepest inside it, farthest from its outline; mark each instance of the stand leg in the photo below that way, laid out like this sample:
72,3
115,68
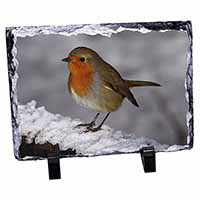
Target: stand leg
148,159
54,168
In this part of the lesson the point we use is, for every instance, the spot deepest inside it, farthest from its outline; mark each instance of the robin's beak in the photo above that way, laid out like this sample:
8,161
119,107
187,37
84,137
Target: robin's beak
66,59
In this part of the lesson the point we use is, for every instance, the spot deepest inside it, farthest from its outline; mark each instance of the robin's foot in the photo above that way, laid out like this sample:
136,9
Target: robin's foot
88,125
88,129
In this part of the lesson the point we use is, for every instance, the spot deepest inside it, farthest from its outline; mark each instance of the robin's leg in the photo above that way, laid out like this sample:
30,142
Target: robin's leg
98,127
89,125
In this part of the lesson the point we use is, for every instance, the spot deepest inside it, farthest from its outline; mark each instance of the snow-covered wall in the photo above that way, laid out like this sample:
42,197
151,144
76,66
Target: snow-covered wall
39,126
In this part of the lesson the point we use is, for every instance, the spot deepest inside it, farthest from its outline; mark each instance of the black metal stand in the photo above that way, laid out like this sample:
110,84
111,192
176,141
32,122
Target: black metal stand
148,159
54,168
147,156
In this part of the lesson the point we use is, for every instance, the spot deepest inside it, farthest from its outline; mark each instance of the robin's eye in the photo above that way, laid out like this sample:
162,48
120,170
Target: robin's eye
82,59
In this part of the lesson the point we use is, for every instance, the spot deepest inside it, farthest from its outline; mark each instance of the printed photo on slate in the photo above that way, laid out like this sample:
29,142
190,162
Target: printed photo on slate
100,89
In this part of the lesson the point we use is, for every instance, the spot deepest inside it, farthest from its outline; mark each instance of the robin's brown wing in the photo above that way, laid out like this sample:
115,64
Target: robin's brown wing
123,91
113,80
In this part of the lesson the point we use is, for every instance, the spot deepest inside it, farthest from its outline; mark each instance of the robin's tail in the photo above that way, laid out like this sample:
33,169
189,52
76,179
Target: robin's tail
140,83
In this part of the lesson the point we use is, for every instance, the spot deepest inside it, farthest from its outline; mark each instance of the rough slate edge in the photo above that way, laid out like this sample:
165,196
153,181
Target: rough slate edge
92,29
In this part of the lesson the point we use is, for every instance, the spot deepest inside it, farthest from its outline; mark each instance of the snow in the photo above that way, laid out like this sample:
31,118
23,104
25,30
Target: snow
41,126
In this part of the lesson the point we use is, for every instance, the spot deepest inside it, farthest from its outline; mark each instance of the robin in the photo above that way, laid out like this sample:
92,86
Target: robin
97,85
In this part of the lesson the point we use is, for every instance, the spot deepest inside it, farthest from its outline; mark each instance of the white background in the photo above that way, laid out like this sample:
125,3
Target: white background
108,177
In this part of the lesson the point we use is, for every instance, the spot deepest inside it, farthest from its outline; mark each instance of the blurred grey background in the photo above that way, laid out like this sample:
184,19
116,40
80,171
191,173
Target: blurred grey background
155,56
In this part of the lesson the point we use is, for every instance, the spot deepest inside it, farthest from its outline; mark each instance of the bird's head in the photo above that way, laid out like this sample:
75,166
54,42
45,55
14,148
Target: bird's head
81,58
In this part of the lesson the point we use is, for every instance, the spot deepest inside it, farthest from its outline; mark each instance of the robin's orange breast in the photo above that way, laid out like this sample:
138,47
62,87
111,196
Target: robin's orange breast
89,91
80,79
